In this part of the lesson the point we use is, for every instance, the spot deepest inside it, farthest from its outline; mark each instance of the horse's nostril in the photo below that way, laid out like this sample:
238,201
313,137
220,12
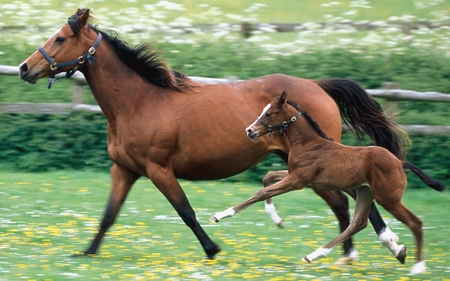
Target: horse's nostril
23,68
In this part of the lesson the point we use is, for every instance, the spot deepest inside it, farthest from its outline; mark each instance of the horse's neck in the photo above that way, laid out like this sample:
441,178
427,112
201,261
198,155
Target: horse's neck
114,85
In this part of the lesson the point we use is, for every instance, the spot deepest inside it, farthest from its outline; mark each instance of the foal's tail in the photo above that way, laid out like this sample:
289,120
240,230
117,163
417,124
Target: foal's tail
433,183
364,115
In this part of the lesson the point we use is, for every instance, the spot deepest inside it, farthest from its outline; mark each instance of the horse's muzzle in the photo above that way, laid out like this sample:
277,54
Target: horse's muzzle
26,75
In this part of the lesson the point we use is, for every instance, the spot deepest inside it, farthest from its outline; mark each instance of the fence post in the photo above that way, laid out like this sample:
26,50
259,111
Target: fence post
77,93
391,106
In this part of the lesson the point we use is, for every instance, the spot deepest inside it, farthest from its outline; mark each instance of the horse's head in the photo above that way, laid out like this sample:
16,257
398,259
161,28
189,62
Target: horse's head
66,50
273,117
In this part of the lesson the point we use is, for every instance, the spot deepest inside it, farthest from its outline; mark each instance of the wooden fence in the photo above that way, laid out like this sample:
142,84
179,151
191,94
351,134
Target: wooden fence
391,95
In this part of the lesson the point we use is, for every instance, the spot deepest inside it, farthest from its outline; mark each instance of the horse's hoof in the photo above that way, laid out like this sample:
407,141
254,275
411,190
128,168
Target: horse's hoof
82,254
212,252
401,257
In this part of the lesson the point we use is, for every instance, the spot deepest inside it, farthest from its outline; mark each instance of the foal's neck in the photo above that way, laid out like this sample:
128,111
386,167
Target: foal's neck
301,133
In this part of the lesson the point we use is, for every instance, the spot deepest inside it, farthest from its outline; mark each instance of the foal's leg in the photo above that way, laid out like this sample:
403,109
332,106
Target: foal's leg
289,183
338,203
359,222
388,238
121,181
270,178
403,214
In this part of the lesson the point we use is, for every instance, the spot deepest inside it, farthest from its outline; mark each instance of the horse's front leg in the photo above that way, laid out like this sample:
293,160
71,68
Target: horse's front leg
121,181
165,180
289,183
270,178
359,222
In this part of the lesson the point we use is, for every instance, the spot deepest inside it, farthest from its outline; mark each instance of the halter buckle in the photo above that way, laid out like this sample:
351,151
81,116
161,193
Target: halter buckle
53,66
91,50
81,60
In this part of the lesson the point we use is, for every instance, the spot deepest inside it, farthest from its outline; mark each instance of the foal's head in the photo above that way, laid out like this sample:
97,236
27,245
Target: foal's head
276,116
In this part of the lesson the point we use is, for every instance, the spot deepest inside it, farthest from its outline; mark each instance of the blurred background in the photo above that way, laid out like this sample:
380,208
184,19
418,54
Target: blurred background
380,44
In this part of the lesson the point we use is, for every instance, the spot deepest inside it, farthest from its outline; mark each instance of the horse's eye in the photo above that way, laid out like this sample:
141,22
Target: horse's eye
268,115
60,40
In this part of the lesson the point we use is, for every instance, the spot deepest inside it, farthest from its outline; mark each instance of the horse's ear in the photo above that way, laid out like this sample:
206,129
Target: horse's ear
82,16
282,99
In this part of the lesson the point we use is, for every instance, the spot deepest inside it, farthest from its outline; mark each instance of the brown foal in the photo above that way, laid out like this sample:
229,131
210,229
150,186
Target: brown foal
317,162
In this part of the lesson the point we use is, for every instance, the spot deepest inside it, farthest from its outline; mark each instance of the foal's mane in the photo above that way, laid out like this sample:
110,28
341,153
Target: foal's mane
143,59
311,122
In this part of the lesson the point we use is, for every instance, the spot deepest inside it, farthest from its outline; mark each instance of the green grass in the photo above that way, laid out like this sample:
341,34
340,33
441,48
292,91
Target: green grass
46,217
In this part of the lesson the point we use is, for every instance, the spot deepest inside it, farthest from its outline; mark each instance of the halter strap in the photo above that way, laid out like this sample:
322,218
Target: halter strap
88,56
282,127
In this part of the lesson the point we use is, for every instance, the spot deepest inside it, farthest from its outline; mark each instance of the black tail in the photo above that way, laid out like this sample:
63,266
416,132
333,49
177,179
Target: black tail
433,183
364,115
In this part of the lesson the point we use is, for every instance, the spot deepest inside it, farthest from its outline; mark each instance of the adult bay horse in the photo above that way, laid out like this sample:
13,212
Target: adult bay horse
164,126
322,164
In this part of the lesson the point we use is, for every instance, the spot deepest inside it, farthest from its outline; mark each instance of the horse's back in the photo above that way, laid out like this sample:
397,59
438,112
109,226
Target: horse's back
202,132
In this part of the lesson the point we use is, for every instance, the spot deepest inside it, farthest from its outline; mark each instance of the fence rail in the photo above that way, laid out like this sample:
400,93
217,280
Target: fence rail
79,82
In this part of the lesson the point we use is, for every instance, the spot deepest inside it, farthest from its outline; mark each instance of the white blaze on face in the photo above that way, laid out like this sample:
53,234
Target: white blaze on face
260,116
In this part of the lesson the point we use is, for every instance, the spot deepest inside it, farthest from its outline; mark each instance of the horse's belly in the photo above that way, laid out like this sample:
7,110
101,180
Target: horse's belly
208,169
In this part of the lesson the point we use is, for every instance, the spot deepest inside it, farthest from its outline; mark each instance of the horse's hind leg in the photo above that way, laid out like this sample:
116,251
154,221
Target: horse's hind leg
121,181
270,178
359,222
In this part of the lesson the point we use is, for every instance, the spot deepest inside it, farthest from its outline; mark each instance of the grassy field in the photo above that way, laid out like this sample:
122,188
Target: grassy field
46,217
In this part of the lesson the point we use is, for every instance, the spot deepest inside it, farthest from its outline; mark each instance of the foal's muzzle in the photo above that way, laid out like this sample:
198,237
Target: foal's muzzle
251,134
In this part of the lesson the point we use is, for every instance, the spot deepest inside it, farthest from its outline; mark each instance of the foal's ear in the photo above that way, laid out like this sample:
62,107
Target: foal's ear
282,99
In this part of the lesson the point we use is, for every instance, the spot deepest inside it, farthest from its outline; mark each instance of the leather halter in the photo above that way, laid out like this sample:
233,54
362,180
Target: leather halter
282,127
88,56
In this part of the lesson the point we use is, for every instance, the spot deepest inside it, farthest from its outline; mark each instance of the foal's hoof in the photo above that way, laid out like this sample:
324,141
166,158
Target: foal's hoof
401,257
349,258
213,219
305,259
418,268
280,224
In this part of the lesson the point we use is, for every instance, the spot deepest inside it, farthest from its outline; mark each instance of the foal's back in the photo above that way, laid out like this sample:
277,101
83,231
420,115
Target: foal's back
344,167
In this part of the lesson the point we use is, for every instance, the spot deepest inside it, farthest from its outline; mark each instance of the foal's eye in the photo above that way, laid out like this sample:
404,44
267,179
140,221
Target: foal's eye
60,39
268,115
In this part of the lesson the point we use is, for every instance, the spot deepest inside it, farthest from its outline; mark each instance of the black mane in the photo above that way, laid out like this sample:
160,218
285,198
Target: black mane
143,59
311,122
